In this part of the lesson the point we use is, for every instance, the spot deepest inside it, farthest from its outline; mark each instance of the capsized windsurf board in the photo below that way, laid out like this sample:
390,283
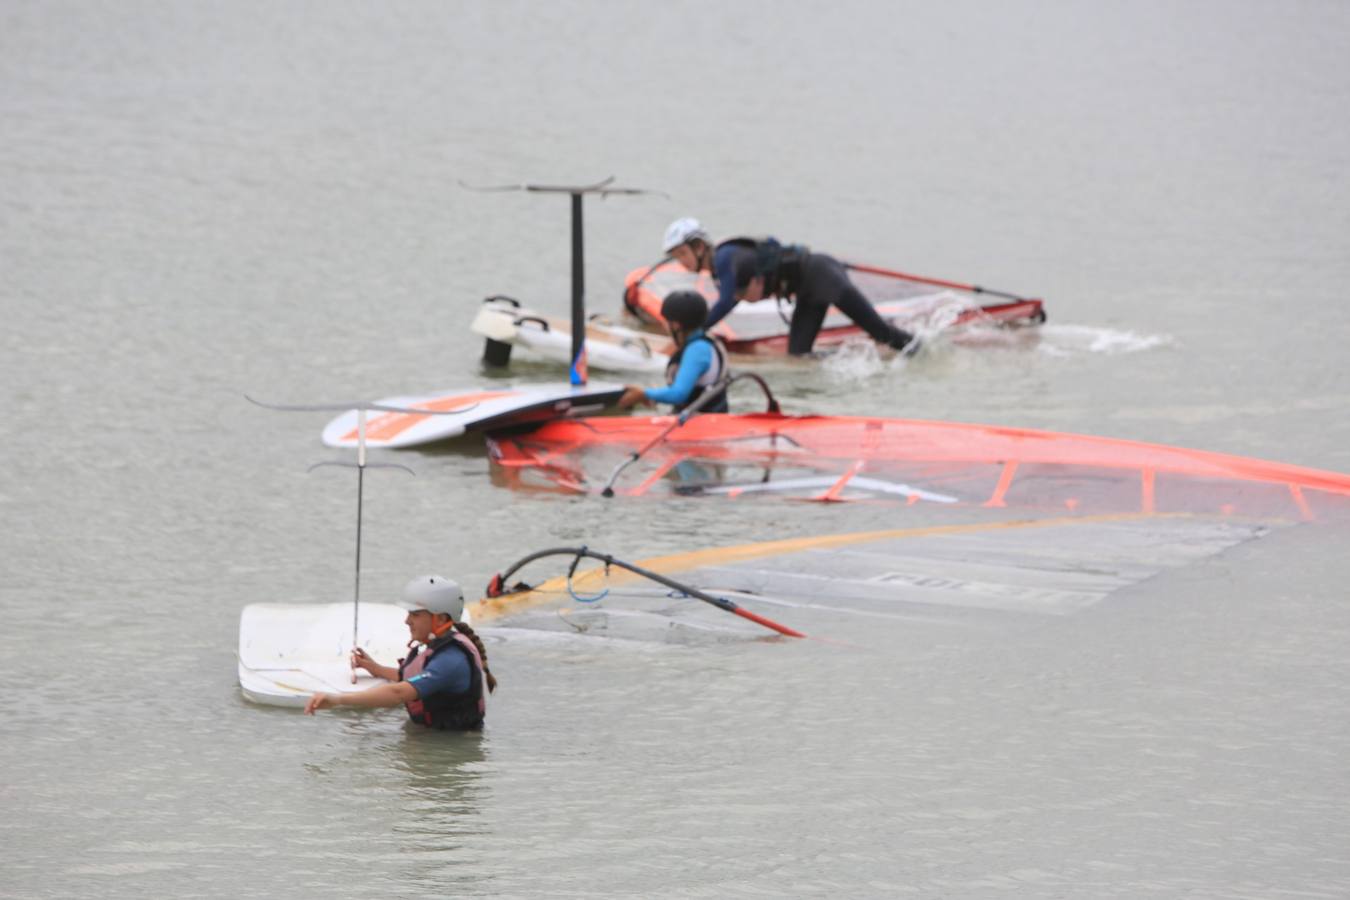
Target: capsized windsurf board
1049,565
468,409
288,651
609,347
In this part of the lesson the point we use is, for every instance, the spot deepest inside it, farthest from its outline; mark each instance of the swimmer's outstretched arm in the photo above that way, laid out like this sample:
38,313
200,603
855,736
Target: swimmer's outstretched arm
384,695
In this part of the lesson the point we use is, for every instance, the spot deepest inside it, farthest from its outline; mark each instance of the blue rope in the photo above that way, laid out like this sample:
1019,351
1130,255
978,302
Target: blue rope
580,599
577,597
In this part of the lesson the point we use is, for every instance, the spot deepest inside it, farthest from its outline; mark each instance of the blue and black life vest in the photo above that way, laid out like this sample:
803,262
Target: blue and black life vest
715,373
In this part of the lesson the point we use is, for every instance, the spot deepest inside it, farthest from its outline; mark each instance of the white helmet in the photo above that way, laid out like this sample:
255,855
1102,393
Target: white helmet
433,594
682,231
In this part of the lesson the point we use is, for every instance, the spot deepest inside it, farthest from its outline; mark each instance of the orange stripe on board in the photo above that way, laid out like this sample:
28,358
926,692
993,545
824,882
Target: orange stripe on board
1146,501
388,425
1004,482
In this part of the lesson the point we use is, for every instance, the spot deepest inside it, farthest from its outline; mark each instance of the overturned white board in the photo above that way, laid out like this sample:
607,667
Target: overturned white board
288,651
468,409
609,348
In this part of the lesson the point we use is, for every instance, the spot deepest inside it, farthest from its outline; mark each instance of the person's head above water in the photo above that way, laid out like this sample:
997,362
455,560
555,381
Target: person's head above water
682,231
687,309
433,594
684,312
687,242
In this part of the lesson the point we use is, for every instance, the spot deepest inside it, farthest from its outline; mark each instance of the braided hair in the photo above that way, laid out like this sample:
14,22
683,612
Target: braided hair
463,628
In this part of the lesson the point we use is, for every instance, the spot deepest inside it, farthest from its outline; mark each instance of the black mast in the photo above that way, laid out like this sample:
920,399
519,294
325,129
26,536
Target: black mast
578,359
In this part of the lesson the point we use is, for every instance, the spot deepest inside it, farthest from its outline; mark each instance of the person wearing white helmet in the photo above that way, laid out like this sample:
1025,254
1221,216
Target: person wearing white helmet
444,682
688,243
680,233
753,269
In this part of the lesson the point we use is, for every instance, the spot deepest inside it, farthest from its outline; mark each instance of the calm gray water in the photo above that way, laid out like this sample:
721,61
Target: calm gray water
201,201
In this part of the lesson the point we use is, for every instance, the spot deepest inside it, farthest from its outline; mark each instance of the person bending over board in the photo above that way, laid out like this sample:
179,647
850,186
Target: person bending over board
698,365
752,269
444,682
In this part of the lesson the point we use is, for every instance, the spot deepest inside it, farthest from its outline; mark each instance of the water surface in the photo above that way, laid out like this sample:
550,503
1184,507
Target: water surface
202,202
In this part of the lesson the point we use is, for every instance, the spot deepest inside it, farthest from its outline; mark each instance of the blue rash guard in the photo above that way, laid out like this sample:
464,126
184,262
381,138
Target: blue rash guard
727,261
697,359
448,672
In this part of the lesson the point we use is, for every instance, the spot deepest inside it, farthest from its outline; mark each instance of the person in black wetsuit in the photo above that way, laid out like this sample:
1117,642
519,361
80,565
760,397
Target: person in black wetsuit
752,269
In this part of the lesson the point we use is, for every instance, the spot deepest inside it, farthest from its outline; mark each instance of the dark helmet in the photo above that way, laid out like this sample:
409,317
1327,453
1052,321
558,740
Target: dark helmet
688,308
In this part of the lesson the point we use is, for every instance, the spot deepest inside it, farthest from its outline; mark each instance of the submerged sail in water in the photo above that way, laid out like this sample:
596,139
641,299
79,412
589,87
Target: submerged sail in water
837,458
998,519
1040,566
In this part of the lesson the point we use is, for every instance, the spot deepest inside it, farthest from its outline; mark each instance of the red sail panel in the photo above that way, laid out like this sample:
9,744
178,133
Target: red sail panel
937,461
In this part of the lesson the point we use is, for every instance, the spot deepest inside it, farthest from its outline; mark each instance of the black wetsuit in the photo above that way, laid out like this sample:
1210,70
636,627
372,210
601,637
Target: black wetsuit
816,282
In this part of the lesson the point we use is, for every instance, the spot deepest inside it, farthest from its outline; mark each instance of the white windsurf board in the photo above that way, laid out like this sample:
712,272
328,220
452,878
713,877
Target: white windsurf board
468,409
609,347
288,651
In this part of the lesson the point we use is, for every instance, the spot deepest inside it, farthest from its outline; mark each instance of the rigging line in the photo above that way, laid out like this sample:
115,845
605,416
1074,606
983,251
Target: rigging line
572,571
360,465
939,282
722,603
710,393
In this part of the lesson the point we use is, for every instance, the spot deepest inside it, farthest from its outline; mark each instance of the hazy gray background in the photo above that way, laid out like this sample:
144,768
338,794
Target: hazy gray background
198,201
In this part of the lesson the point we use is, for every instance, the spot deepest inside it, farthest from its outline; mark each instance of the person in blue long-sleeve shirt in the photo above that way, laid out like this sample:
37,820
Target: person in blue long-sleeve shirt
750,270
699,363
